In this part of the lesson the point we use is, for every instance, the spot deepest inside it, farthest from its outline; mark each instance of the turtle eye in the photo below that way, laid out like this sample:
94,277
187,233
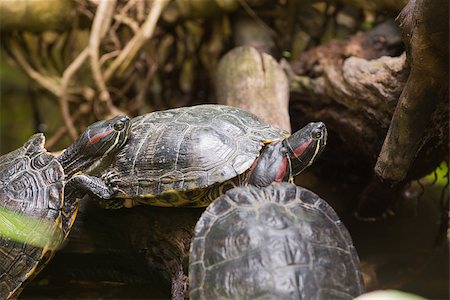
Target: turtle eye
119,125
317,134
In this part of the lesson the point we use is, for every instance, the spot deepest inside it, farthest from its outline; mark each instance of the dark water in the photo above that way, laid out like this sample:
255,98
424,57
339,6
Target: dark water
404,251
407,250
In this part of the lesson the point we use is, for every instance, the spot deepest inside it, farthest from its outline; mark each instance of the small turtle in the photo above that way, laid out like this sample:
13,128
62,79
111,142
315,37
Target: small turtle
38,202
191,155
277,242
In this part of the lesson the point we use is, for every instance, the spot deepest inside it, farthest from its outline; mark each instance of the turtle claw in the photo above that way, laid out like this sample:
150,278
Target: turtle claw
111,177
83,183
117,190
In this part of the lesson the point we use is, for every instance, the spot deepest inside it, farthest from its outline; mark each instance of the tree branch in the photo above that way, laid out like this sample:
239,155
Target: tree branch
100,26
134,45
425,33
255,82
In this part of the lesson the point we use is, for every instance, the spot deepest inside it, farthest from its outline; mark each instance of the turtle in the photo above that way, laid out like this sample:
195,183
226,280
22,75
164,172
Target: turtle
39,195
281,241
189,156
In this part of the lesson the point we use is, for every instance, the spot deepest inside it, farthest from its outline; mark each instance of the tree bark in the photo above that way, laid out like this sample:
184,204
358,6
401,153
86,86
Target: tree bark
129,247
425,34
353,86
36,15
419,128
379,5
255,82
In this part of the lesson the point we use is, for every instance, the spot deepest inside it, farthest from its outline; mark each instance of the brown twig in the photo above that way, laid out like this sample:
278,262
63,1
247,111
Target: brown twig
100,26
257,19
19,57
127,21
426,38
63,98
115,40
58,135
133,46
139,100
128,6
107,56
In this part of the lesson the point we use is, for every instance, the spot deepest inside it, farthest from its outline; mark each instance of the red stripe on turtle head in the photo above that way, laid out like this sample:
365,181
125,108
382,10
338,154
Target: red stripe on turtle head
281,171
99,136
299,150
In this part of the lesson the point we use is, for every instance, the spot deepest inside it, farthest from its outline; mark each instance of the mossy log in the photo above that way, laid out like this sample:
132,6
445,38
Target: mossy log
423,105
379,5
36,15
144,248
389,111
353,86
417,138
255,82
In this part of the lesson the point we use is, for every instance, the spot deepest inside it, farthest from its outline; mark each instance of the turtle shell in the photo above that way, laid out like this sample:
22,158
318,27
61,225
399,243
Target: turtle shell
190,148
31,195
277,242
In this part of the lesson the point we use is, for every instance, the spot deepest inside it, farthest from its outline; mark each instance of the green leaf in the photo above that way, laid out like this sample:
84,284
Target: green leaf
29,230
440,175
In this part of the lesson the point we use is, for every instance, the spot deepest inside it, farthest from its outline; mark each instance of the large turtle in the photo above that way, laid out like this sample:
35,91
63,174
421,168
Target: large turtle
38,198
189,156
277,242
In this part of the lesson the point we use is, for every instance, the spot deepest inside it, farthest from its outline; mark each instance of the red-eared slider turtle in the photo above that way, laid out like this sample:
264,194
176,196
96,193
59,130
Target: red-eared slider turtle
277,242
189,156
37,206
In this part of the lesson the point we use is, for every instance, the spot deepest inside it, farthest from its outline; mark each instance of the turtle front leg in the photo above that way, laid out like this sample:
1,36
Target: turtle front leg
271,166
77,187
82,184
289,157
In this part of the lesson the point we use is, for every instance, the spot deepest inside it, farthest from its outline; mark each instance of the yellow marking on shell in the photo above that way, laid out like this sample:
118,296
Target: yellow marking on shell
181,199
74,216
276,140
49,248
195,197
29,273
32,230
32,272
129,203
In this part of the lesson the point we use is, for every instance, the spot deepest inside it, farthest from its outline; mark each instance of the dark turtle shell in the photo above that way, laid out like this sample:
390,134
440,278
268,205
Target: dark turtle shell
31,195
190,148
277,242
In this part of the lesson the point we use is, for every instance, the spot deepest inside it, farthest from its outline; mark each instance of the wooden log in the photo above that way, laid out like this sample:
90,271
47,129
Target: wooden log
352,86
255,82
425,33
204,8
36,15
130,248
379,5
418,133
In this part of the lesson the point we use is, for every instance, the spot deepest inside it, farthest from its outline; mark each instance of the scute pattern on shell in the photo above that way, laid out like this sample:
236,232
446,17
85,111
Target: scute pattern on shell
31,183
190,147
277,242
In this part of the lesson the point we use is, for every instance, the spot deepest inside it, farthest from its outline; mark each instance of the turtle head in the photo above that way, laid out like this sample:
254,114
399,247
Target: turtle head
97,144
283,160
305,145
105,137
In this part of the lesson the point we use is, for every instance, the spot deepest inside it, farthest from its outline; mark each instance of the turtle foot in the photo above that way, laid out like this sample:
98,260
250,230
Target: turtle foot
86,184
